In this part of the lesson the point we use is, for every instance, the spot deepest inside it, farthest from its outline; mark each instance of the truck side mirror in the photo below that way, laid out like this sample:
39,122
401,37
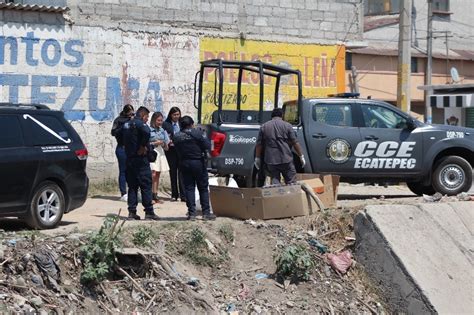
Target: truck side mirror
411,124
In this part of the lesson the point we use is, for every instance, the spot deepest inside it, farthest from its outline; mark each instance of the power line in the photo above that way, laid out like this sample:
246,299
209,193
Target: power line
356,14
374,58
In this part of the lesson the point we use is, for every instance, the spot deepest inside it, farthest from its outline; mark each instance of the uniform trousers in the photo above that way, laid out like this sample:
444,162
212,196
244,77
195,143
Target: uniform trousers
195,174
139,176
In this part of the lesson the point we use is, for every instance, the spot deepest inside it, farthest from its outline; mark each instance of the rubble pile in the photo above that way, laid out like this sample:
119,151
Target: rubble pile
227,267
42,275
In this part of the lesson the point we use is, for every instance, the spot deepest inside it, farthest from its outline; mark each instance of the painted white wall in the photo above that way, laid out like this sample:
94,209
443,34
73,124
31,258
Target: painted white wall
89,69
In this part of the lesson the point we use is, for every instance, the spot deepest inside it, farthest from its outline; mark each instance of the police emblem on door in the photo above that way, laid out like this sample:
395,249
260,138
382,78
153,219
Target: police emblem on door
338,151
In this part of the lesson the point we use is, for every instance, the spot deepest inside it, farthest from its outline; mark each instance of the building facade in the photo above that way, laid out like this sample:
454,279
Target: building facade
90,57
453,47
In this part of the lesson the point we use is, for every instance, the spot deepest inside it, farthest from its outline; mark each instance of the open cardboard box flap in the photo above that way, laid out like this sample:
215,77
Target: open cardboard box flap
328,193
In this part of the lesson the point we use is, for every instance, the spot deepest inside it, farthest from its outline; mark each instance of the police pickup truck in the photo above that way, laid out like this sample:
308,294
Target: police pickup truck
362,140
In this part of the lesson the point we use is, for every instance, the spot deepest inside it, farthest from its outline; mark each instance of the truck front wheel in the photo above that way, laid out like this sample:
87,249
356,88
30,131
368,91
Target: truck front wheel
452,175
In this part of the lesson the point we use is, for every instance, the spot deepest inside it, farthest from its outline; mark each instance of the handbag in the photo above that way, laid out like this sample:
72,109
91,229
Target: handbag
151,154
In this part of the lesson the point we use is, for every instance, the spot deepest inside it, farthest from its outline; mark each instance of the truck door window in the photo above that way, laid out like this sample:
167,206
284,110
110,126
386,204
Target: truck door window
290,112
380,117
333,114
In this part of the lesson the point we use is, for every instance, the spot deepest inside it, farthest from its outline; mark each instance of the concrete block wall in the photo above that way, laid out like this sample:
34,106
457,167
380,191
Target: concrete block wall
313,21
103,54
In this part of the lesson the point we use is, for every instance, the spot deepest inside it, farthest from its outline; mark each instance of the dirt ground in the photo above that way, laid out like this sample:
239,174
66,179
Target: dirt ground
233,273
96,208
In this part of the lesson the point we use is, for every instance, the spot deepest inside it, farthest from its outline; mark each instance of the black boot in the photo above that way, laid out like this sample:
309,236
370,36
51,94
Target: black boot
209,217
133,216
151,216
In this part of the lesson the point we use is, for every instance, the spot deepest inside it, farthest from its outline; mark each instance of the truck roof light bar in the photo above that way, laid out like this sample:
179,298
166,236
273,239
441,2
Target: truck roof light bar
345,95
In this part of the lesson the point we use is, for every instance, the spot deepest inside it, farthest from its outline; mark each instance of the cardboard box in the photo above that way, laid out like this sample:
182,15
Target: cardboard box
258,203
330,182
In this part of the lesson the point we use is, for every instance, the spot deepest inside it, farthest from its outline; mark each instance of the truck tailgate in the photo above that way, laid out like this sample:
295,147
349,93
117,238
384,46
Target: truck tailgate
233,148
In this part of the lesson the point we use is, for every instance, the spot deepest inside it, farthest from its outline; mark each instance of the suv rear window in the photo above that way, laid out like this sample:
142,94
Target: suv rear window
47,130
10,132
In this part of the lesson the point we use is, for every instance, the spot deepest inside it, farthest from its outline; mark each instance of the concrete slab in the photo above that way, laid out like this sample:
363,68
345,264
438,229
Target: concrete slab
422,255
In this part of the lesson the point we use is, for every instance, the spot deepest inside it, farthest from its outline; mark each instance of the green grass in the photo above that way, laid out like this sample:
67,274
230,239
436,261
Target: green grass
143,236
226,231
107,186
195,248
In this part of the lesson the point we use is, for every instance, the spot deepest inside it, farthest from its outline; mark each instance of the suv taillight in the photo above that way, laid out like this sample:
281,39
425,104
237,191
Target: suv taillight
217,142
81,154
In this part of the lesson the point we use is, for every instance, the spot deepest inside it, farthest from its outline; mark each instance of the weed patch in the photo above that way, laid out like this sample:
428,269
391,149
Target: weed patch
226,231
197,249
107,186
143,236
295,262
98,254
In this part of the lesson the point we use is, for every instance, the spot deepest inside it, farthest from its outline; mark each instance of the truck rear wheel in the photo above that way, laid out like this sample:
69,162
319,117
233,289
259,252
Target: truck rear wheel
452,175
419,189
256,179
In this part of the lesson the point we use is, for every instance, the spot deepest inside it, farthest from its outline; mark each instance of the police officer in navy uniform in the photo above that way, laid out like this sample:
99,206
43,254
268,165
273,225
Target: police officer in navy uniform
136,136
192,147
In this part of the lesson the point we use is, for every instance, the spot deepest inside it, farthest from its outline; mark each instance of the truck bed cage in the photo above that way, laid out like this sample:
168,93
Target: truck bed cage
262,68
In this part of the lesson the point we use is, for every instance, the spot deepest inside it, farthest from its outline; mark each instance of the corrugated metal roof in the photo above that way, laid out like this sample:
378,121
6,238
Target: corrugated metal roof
383,51
467,54
33,7
454,54
373,22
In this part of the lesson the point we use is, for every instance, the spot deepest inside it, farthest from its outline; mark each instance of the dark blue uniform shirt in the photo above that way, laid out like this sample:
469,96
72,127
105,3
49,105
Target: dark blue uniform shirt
135,133
191,144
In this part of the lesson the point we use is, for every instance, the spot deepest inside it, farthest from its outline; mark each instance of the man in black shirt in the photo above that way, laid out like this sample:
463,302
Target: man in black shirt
192,147
276,139
136,138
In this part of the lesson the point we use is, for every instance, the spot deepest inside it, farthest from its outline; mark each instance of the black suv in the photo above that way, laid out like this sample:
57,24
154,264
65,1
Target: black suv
42,165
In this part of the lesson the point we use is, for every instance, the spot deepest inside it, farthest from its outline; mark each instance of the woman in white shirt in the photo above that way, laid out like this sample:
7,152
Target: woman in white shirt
159,139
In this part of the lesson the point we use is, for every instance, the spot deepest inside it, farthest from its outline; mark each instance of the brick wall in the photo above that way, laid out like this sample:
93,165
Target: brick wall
106,53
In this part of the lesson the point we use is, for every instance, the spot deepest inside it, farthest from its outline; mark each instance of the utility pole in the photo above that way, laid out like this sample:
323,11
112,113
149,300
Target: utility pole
447,57
429,63
404,56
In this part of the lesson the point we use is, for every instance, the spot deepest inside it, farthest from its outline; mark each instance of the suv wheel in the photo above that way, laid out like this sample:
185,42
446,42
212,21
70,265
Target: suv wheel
419,189
452,175
47,206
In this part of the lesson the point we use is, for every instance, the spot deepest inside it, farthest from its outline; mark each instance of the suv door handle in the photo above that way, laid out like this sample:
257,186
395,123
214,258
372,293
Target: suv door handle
319,136
371,137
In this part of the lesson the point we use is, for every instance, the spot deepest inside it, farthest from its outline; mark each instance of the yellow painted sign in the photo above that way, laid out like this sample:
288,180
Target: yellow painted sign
322,71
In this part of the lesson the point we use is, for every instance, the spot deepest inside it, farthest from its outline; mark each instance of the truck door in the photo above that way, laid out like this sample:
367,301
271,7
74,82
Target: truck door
388,146
332,137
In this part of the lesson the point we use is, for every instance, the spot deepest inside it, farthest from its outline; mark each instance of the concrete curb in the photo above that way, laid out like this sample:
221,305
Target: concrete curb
420,255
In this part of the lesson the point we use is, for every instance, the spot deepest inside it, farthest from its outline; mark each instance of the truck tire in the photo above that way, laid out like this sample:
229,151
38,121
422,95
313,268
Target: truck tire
47,206
452,175
250,181
419,189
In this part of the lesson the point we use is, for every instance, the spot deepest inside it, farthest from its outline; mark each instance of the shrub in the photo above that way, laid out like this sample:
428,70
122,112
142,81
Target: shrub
98,254
295,262
143,236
